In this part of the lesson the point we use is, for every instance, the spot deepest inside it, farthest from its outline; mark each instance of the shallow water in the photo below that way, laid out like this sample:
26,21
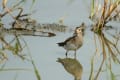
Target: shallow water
45,51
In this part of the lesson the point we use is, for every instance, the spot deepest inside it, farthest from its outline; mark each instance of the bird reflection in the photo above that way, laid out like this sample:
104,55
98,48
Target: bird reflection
72,66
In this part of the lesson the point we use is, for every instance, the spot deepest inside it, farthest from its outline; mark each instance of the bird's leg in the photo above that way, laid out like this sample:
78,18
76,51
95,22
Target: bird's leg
66,53
75,54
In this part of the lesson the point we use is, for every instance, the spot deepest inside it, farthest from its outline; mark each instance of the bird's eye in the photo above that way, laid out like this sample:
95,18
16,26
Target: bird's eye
79,29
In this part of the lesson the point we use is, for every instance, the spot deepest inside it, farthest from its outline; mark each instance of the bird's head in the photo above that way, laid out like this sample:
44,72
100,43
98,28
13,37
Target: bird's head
80,29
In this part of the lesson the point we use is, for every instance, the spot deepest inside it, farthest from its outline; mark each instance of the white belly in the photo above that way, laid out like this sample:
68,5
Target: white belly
70,47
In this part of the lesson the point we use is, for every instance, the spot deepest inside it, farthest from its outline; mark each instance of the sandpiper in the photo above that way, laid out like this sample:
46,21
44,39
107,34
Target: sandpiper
75,42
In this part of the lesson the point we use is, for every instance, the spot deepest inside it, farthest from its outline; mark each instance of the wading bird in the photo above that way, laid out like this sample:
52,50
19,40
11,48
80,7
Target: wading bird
75,42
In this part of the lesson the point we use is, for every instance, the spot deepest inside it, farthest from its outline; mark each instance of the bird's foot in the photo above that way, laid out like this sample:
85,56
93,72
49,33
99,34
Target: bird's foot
66,54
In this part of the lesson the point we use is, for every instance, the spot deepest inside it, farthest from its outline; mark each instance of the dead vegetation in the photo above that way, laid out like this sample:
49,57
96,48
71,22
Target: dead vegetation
108,11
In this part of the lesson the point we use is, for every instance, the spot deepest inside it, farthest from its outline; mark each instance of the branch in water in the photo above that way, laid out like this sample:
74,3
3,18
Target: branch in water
26,32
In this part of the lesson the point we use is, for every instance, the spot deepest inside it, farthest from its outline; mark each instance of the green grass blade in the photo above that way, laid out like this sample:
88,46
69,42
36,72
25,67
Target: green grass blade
112,75
36,71
15,69
34,66
91,77
92,8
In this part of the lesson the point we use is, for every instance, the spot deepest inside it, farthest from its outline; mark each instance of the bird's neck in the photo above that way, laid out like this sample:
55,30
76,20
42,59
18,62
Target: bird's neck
79,35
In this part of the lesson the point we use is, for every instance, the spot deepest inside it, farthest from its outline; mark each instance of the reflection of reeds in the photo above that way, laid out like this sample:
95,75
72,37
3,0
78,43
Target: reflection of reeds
22,25
107,47
37,74
110,51
25,26
16,50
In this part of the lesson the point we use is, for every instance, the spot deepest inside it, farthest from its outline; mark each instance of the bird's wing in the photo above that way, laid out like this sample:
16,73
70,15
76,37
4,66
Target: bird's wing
68,39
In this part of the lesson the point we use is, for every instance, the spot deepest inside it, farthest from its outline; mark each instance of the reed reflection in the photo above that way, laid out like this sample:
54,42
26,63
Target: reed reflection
72,66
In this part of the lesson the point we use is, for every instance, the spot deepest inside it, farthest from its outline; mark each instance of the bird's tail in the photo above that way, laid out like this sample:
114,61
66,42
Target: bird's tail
61,44
60,60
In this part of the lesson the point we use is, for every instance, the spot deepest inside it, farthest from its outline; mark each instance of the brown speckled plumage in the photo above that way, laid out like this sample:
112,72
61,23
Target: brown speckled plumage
74,42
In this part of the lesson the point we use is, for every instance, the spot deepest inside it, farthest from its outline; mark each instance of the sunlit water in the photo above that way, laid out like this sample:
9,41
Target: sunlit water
45,51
